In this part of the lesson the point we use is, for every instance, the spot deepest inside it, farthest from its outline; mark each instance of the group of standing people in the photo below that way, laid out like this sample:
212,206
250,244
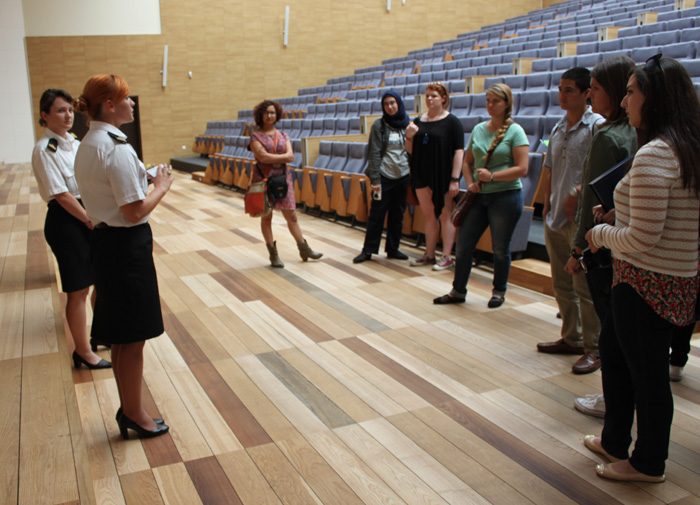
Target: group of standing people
427,155
97,227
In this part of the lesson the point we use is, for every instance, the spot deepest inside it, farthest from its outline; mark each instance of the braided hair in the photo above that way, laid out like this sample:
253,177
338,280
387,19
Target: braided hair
503,92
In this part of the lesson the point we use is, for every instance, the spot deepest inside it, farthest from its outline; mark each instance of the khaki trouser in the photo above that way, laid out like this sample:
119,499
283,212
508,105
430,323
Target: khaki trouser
579,322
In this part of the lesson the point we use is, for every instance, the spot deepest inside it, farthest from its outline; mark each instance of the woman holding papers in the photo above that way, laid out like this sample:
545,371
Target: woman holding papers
654,242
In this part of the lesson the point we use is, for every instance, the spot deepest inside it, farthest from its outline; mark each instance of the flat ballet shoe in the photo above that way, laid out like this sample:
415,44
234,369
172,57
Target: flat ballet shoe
606,471
592,443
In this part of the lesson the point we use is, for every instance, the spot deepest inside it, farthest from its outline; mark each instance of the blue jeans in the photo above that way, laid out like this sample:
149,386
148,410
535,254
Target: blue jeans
501,212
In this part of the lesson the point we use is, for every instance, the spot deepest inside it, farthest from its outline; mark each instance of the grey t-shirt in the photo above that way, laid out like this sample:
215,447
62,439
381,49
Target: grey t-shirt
395,161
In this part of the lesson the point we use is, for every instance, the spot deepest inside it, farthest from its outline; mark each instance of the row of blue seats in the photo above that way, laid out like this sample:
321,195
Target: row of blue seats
352,108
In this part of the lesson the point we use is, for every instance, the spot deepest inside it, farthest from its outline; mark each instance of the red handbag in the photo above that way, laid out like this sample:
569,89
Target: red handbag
255,200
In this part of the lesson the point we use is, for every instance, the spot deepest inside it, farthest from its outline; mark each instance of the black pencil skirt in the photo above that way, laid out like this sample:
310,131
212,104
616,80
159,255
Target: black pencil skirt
127,307
69,240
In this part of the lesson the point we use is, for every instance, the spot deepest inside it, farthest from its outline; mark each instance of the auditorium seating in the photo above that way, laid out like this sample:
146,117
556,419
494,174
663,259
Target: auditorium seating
528,52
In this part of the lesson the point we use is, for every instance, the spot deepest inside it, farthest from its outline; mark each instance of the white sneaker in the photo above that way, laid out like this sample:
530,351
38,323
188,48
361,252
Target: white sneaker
675,373
591,405
444,263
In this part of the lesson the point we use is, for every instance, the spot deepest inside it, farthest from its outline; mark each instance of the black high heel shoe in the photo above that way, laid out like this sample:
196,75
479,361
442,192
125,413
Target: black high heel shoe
78,360
126,424
120,413
94,344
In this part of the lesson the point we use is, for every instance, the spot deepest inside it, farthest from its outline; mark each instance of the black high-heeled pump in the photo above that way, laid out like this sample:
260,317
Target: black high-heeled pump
78,360
120,413
94,344
126,424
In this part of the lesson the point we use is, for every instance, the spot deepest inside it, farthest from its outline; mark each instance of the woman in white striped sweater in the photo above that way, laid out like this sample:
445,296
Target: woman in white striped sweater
655,247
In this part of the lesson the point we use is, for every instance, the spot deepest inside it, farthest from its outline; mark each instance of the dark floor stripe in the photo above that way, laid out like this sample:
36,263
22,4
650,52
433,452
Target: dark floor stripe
211,482
250,238
326,410
160,451
354,272
540,465
22,209
211,213
232,409
345,308
175,211
181,338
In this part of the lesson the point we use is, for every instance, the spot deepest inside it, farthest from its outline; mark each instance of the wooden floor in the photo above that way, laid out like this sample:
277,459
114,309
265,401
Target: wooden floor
320,383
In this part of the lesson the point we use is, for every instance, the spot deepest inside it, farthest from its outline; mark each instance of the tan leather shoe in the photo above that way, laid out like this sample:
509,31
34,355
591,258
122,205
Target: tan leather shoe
592,443
608,471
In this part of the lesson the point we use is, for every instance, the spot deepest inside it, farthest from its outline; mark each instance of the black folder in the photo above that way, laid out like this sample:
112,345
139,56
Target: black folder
603,186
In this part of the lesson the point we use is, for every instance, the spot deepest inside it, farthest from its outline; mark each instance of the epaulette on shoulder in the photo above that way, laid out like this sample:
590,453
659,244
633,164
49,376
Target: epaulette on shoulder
52,146
119,139
74,135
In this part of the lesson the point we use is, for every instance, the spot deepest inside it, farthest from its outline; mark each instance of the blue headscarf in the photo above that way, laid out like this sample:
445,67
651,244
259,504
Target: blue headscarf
399,120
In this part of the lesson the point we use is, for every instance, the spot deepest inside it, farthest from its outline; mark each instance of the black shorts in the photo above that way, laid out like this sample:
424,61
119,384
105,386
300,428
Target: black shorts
69,240
127,306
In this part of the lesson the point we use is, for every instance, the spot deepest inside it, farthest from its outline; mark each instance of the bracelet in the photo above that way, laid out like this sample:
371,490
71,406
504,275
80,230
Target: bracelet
491,179
576,255
454,179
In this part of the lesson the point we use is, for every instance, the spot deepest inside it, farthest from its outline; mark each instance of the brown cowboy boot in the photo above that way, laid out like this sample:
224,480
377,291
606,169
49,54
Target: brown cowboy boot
275,260
306,252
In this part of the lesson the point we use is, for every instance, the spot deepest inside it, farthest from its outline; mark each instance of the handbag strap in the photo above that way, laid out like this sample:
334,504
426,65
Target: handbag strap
275,141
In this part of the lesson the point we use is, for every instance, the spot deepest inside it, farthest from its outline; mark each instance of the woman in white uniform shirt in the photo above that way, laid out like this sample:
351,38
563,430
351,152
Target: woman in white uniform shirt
115,191
67,225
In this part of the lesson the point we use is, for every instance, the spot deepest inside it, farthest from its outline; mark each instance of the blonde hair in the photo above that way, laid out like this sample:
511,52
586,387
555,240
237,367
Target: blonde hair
441,90
503,91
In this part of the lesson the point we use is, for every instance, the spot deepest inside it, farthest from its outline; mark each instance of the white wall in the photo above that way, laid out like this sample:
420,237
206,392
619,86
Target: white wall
45,18
16,132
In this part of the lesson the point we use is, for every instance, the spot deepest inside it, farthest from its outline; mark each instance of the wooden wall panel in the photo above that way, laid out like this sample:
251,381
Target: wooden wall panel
234,50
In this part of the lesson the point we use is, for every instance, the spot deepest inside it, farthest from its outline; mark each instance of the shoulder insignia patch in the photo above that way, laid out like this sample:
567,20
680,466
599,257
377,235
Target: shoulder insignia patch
119,139
52,146
74,135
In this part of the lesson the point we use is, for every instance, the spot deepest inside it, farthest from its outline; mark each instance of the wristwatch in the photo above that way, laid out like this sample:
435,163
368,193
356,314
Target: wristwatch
454,179
575,254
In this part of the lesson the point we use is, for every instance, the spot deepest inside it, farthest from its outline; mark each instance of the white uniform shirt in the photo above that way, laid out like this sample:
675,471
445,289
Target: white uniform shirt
109,174
53,169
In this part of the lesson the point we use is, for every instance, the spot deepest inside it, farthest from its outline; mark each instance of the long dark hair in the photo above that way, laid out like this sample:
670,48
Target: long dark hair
671,111
612,76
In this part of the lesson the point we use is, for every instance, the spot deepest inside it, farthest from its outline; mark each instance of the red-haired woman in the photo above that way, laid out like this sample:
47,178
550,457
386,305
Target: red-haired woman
435,141
114,187
273,150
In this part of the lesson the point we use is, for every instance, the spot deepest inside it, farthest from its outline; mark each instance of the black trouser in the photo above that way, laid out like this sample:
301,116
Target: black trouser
393,202
634,355
680,344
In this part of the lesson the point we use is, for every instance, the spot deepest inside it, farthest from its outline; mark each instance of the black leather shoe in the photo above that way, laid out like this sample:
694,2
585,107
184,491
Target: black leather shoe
396,255
496,301
363,256
448,298
126,424
78,361
120,413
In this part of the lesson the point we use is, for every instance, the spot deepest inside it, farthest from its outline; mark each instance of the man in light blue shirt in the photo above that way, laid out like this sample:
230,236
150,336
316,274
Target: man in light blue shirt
568,147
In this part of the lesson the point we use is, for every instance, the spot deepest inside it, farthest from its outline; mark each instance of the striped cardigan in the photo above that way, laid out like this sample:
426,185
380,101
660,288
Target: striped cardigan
656,220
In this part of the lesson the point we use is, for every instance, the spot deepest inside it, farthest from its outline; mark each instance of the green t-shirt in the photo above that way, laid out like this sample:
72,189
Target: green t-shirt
502,158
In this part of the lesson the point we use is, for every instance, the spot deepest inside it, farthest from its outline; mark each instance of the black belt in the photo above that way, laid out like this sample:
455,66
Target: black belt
102,226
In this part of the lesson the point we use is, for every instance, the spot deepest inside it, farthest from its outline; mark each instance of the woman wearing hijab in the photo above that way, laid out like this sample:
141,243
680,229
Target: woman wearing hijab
388,172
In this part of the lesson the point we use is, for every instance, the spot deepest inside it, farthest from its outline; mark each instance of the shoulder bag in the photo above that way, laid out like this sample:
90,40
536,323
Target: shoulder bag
467,199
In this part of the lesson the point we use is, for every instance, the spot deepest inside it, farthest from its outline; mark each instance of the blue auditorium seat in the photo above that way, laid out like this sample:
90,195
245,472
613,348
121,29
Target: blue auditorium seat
460,105
691,34
456,86
607,46
638,41
533,129
316,127
680,51
664,38
516,82
587,48
680,24
533,103
354,125
542,65
642,54
468,124
306,126
554,109
478,105
693,68
341,125
490,81
587,60
540,80
328,127
563,63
